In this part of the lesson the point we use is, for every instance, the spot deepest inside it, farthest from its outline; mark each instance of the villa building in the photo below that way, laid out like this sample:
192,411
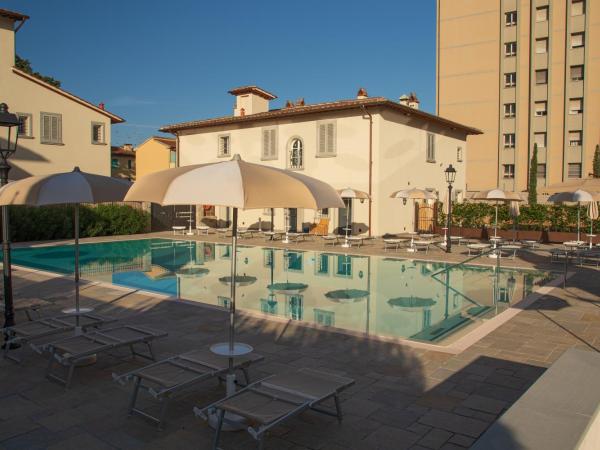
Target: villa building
122,162
524,72
367,143
58,129
154,154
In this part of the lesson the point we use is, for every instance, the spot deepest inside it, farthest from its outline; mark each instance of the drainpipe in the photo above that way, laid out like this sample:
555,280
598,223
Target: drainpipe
365,111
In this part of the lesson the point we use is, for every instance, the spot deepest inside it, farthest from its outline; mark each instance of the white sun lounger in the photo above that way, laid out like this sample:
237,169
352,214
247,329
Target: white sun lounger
29,332
271,401
165,379
70,351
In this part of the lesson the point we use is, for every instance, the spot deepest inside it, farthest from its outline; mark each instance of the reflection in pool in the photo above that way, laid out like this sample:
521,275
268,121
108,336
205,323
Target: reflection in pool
390,297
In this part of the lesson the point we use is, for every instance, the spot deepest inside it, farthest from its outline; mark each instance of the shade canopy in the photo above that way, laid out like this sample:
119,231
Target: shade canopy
592,211
65,187
576,196
497,195
236,184
414,194
347,295
287,288
353,193
586,184
411,302
514,209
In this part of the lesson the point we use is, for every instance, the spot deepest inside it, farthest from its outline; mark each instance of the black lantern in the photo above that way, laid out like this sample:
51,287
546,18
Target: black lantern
450,173
9,135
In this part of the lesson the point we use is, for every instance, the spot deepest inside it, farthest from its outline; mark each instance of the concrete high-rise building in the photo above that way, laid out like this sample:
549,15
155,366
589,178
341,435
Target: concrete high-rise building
524,72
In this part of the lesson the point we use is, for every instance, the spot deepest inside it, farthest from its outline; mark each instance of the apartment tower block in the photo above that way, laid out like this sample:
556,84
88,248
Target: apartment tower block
524,72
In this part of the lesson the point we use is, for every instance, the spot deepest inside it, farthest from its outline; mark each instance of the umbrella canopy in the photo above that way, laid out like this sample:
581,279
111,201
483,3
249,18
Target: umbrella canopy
347,295
497,195
287,288
592,213
236,184
576,196
411,302
413,194
67,187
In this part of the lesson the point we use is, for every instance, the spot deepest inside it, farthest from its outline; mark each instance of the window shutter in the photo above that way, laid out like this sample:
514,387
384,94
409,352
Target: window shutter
322,139
273,143
266,145
330,138
45,127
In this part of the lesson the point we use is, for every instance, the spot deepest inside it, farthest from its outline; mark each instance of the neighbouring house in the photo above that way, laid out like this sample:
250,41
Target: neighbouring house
58,129
154,154
122,162
526,73
368,143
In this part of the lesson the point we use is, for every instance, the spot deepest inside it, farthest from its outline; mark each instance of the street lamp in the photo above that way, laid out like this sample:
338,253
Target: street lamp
450,173
9,135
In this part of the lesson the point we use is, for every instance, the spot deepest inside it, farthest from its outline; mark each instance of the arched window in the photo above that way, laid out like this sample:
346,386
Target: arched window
296,154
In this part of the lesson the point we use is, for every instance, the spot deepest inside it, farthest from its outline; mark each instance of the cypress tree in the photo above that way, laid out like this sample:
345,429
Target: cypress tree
532,196
596,164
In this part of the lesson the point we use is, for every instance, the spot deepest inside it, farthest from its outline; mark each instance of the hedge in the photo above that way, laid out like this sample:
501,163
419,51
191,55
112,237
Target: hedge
56,222
540,217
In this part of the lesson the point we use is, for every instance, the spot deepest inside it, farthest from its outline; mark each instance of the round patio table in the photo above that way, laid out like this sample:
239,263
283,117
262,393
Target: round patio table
530,243
479,248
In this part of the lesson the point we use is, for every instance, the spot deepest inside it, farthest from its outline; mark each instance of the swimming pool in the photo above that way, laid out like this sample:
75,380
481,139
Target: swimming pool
390,297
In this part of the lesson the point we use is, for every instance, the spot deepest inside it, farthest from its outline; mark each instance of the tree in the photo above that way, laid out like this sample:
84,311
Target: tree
596,164
25,66
532,196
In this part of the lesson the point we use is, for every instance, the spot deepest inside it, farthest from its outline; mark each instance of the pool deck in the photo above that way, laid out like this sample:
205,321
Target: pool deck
404,397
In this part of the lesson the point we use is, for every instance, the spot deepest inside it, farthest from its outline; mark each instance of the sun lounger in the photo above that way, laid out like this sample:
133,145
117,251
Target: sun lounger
202,229
165,379
28,332
359,240
393,244
330,239
422,245
29,306
271,401
70,351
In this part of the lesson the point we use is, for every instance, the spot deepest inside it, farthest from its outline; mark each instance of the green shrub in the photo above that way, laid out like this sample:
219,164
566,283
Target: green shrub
56,222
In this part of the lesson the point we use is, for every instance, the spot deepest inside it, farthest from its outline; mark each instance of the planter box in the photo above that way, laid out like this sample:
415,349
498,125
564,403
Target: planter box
553,237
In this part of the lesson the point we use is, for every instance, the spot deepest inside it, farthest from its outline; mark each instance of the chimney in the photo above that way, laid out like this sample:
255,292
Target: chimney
413,101
300,102
127,147
101,106
362,94
251,99
403,100
289,104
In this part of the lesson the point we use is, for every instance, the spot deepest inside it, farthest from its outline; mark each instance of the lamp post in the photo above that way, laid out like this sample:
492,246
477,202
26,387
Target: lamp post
9,135
450,173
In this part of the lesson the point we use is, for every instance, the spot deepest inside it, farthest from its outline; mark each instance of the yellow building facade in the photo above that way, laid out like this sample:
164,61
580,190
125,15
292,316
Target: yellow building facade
58,129
154,154
524,72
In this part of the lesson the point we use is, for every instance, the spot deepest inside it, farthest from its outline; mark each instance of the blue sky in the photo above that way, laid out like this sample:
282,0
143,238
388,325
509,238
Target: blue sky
158,62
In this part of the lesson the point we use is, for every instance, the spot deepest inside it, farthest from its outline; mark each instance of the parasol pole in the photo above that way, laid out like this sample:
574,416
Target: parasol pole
578,220
76,233
231,374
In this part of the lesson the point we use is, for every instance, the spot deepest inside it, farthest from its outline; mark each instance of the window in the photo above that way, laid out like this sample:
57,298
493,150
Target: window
326,139
577,7
509,109
430,147
575,138
129,164
344,266
541,108
541,170
224,145
51,128
510,49
576,73
173,157
577,40
269,143
459,154
510,79
114,162
97,133
509,140
25,129
296,160
510,18
541,45
541,76
295,307
322,267
508,170
325,318
574,170
268,306
541,14
575,106
540,139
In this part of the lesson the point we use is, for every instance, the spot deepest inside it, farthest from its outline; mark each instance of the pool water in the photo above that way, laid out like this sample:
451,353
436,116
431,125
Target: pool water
391,297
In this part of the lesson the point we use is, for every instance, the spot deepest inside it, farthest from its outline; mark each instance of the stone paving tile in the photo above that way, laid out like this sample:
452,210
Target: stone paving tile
484,404
435,438
454,422
462,441
389,438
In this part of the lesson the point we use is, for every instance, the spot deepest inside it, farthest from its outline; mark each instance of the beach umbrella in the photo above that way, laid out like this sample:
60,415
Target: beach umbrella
413,194
74,187
592,213
347,295
351,194
236,184
497,195
578,196
287,288
411,303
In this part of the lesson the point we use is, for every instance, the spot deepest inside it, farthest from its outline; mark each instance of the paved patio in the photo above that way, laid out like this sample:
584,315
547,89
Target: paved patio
403,397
